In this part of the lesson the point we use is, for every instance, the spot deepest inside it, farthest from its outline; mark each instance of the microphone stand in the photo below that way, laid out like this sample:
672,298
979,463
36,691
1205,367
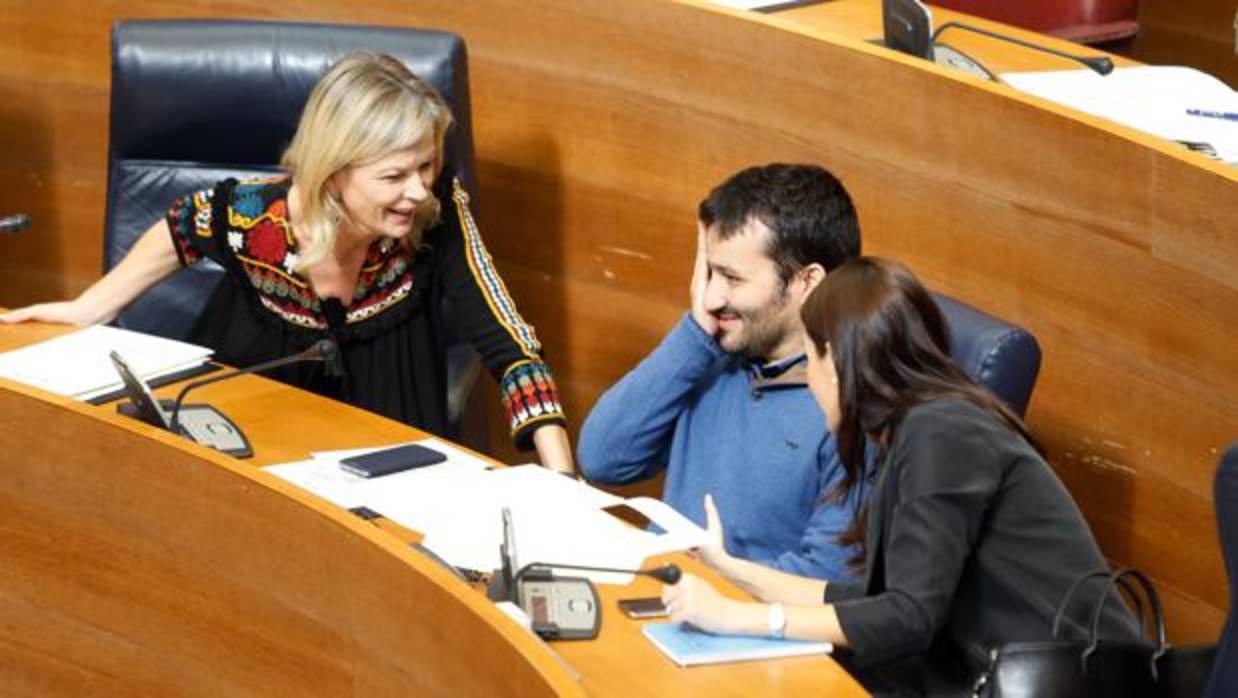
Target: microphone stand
667,574
322,350
211,428
1101,64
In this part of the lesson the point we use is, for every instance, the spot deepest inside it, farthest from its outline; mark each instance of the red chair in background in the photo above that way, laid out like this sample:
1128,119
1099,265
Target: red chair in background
1084,21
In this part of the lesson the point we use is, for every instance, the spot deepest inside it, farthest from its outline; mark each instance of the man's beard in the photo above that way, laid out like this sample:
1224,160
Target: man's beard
760,331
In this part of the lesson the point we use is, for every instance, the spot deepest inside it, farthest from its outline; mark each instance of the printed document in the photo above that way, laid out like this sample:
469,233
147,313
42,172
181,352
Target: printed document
77,364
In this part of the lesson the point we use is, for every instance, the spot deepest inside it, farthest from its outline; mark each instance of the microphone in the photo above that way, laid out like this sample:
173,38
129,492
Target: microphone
567,608
667,574
559,608
15,223
1101,64
325,350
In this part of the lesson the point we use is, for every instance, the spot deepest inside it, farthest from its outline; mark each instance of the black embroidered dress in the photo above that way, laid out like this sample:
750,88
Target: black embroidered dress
390,333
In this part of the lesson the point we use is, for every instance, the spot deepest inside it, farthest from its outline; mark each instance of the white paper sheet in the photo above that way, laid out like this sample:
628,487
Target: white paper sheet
1153,99
325,478
458,506
454,453
322,475
77,364
555,519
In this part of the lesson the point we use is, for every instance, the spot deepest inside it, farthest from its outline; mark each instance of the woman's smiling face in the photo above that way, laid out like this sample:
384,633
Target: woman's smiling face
381,197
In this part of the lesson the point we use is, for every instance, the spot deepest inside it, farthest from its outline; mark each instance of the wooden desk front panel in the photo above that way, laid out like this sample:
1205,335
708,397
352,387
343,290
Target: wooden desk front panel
134,564
137,563
599,125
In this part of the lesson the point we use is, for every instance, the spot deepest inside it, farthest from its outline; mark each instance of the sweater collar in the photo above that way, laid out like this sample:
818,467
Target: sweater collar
792,370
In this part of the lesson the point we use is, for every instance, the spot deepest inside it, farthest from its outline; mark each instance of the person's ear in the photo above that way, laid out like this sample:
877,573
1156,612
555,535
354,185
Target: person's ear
334,184
808,277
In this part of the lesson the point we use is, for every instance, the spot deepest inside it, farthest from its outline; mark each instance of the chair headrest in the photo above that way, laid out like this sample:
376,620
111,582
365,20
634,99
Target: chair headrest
231,92
1003,357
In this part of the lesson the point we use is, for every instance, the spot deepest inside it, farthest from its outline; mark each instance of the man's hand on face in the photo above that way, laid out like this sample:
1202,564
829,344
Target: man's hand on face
700,282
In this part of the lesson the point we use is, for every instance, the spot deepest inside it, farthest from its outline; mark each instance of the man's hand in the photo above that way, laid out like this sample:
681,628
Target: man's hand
700,282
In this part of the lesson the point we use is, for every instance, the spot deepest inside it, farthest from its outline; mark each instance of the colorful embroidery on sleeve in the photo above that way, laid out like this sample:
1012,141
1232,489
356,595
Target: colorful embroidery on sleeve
190,215
530,395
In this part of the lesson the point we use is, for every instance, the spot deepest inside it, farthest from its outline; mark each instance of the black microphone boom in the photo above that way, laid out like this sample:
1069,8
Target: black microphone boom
667,574
325,350
1101,64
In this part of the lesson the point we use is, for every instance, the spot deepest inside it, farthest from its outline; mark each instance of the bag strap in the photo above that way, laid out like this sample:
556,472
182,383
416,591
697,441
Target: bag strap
1154,603
1070,593
1131,593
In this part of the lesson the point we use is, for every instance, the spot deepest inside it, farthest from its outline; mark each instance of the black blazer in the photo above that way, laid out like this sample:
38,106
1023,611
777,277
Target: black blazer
972,541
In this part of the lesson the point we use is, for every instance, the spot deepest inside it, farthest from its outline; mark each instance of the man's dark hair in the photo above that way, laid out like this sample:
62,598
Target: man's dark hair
805,207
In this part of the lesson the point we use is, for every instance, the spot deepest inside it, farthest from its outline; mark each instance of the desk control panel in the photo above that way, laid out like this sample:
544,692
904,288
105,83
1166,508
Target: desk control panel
563,608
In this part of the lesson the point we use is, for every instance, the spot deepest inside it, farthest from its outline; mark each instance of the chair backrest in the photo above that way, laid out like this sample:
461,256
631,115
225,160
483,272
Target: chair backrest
1085,21
1003,357
1223,682
197,101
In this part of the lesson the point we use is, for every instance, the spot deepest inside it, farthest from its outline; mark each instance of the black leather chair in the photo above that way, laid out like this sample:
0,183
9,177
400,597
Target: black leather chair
1223,682
194,102
1003,357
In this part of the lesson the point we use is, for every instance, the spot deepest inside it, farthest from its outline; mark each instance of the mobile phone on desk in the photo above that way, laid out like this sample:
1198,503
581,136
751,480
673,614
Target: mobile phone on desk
647,607
392,460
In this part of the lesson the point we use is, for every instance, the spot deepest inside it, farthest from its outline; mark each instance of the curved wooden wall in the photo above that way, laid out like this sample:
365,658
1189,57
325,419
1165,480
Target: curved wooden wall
600,124
135,563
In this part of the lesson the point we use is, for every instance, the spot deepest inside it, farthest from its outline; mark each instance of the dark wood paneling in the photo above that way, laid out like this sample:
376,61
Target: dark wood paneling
1195,33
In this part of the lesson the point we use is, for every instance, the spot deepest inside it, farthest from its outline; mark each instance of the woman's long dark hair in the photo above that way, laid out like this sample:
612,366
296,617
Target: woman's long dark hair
891,351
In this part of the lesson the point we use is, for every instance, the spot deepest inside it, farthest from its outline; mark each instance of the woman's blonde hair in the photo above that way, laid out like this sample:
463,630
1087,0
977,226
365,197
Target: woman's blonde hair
366,106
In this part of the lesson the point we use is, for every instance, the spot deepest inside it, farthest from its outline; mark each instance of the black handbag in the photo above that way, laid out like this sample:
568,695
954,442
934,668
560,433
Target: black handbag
1098,668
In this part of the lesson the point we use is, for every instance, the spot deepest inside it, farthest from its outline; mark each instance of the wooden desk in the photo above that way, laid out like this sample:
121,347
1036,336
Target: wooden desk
599,124
136,562
861,19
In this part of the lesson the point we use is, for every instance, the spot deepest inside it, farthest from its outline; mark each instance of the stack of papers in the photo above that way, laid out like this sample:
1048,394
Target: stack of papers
1165,101
687,646
77,364
458,506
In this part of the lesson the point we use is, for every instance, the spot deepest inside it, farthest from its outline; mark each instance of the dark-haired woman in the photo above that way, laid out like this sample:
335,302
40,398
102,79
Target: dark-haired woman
968,541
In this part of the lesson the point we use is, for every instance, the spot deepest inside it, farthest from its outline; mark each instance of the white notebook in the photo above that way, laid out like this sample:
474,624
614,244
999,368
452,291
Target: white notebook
77,364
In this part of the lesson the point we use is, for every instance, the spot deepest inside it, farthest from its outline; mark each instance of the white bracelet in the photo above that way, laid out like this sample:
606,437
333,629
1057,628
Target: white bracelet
777,621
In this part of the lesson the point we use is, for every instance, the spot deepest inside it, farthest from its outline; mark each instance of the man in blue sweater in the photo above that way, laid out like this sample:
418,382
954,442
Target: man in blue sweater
722,404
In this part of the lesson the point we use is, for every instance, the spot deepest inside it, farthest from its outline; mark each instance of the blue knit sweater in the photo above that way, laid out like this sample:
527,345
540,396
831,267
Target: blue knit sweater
760,447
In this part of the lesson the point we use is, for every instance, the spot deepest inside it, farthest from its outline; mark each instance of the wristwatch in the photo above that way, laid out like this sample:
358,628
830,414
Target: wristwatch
777,620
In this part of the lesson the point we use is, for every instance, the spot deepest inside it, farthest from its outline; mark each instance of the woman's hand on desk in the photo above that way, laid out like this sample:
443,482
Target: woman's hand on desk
63,312
693,600
151,259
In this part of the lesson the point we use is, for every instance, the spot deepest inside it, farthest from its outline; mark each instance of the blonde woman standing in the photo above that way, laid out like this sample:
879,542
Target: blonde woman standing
359,242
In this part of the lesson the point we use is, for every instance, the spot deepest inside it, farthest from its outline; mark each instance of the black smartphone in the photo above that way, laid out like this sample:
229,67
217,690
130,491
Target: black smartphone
392,460
647,607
